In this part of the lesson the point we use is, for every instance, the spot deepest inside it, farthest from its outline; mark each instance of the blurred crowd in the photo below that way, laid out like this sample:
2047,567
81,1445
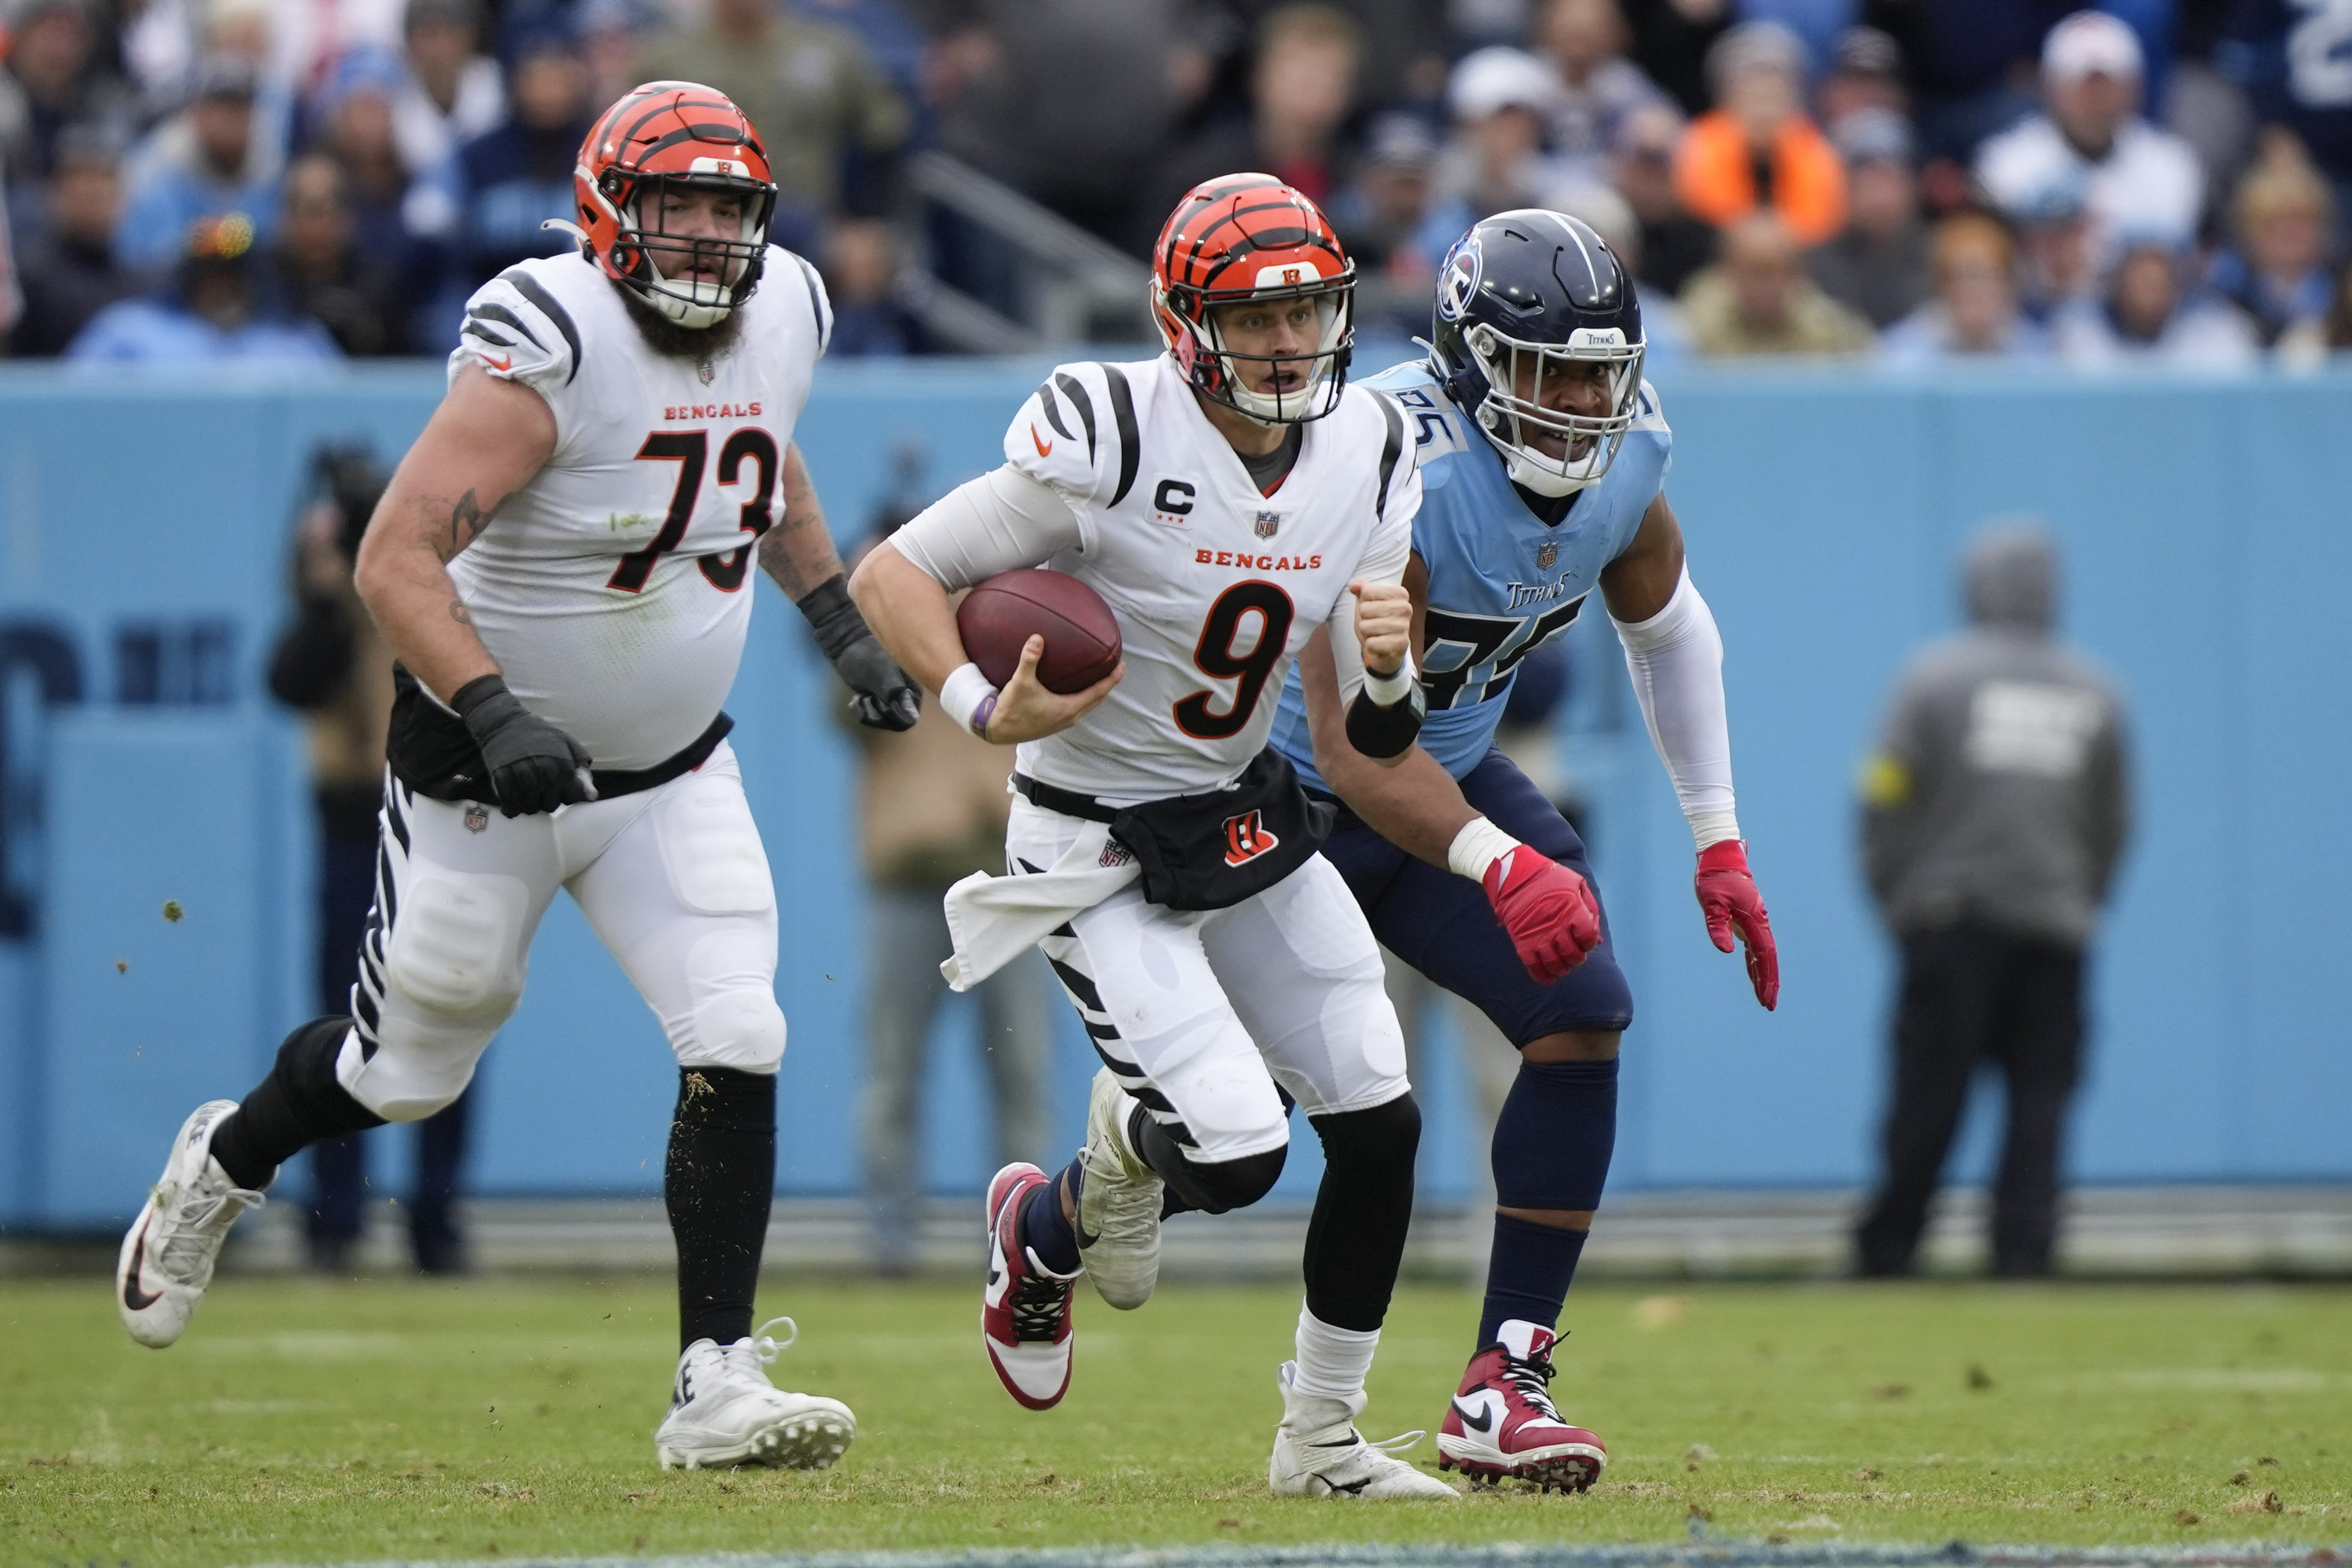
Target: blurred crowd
1928,180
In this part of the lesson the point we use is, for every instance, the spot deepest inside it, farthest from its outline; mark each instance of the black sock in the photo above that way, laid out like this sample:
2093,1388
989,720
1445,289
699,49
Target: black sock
1044,1230
299,1104
1527,1274
1140,1128
718,1183
1355,1242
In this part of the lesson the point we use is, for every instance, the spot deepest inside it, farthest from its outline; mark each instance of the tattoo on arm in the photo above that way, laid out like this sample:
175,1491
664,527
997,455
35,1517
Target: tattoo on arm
798,551
467,521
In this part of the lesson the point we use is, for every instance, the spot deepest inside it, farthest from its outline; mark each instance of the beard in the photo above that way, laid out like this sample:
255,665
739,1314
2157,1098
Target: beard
668,339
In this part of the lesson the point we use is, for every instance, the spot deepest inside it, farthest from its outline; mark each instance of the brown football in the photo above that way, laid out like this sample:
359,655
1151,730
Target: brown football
1000,615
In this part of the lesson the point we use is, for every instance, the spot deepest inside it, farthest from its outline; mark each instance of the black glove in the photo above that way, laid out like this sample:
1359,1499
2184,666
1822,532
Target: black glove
533,765
885,698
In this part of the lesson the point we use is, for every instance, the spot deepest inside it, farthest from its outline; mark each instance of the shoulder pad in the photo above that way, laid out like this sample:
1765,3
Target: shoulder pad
517,329
1649,409
820,303
1400,456
1078,433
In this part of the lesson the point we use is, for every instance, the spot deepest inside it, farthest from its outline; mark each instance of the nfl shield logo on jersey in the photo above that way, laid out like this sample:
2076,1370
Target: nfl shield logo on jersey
1547,553
477,817
1267,524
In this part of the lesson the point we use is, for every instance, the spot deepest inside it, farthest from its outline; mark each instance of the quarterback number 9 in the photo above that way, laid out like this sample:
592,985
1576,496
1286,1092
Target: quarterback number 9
1215,657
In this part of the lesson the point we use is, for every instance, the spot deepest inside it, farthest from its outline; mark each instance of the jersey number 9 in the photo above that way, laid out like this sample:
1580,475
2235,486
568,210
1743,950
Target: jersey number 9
1216,658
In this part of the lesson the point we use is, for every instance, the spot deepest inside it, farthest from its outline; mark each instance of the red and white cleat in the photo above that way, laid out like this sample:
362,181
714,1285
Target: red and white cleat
1025,1311
1502,1423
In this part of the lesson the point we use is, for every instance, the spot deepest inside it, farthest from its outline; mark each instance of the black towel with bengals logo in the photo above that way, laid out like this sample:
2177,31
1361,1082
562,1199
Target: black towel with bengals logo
1214,849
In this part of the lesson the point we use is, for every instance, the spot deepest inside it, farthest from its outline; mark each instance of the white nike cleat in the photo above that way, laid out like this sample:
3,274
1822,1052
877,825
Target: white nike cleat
1118,1202
168,1253
1317,1452
724,1412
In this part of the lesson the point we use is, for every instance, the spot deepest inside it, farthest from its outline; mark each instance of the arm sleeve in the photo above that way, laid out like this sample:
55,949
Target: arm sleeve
1383,560
518,331
1396,503
1675,658
1001,521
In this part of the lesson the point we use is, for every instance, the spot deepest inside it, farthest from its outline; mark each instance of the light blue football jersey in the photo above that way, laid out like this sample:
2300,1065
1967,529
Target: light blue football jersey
1502,582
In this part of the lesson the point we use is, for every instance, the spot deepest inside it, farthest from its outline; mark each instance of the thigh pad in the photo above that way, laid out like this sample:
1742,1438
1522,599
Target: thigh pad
456,943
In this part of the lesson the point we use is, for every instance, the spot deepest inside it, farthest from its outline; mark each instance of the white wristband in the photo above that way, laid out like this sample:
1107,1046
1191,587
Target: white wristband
966,696
1392,688
1478,845
1713,827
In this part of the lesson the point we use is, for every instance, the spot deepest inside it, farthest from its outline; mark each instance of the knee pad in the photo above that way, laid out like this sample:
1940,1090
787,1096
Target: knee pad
743,1029
1556,1134
405,1079
1229,1183
736,1023
1383,1138
456,950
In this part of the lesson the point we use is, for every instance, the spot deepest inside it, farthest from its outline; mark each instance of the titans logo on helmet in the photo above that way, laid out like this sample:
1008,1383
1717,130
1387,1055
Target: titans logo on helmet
1459,280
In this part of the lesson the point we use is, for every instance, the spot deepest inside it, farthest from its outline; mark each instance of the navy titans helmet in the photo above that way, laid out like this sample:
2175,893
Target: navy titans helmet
1524,296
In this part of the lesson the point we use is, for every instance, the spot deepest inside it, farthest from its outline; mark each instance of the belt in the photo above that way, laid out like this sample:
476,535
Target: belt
612,781
1069,802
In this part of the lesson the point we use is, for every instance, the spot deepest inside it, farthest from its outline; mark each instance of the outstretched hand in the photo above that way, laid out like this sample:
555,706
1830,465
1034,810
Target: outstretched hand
1728,897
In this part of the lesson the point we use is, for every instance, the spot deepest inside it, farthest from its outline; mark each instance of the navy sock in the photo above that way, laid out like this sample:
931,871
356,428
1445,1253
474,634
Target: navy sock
1526,1274
1551,1151
1044,1230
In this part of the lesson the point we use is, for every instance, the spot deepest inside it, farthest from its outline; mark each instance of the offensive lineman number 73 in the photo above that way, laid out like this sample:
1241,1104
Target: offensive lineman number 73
688,449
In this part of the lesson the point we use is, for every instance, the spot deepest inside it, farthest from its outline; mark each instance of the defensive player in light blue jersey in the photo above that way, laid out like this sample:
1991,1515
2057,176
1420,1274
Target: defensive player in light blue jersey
1543,456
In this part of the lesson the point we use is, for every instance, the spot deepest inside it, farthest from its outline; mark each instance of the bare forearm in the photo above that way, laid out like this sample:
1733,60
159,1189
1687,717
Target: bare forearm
403,575
1410,801
1415,805
798,552
911,615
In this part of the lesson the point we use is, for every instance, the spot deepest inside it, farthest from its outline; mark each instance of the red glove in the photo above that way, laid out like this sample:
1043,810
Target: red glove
1547,910
1727,897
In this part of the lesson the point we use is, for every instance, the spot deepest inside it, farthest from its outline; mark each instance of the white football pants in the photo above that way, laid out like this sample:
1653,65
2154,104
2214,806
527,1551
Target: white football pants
673,878
1200,1014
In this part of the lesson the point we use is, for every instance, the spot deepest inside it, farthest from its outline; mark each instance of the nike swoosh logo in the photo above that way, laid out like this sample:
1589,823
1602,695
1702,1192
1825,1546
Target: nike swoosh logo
1085,1240
1045,448
1483,1421
137,1300
505,364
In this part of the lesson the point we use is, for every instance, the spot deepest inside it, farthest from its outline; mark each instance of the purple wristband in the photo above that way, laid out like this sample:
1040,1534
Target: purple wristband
981,713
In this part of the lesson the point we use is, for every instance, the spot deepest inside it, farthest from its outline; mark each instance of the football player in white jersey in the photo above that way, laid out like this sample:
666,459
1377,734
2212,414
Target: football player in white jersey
1229,500
560,565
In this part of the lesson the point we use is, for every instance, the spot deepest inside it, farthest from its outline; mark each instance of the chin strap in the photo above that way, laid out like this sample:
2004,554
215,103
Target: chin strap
568,226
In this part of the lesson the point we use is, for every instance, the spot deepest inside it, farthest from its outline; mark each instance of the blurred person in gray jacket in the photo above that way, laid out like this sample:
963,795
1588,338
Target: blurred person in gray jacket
1995,811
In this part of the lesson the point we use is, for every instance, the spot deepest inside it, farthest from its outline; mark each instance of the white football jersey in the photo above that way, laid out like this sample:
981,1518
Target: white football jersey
615,589
1215,586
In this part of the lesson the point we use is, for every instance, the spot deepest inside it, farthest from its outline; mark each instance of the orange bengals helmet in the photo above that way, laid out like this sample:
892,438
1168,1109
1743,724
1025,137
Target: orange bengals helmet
1251,237
659,139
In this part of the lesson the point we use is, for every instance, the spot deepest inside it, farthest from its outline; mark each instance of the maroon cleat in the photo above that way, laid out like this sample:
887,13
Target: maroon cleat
1502,1425
1025,1311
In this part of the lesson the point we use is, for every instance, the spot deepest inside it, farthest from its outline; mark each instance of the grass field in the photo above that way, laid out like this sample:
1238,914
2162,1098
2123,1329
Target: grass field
316,1423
